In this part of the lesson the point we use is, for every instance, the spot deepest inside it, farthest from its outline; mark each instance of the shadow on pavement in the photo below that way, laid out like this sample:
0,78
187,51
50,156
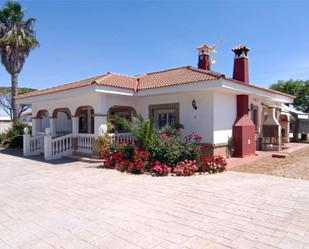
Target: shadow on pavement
40,158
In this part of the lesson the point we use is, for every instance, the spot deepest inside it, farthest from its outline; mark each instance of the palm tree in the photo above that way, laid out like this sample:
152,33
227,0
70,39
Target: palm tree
17,39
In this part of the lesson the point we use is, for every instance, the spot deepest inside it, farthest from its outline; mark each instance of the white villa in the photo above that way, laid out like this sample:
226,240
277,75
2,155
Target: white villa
68,117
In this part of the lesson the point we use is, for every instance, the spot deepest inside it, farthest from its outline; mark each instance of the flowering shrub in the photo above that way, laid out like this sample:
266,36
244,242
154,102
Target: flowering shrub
123,165
194,137
127,150
164,136
137,167
143,159
186,168
172,149
159,153
212,164
159,169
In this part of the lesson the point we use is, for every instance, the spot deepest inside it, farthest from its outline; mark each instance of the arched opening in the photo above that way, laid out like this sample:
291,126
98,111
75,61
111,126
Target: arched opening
85,116
43,121
126,112
63,121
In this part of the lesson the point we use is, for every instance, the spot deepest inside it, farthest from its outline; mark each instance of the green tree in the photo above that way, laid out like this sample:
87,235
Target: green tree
298,88
17,39
6,100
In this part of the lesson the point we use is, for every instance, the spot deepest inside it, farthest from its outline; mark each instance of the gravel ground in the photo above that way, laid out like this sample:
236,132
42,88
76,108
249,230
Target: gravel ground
295,166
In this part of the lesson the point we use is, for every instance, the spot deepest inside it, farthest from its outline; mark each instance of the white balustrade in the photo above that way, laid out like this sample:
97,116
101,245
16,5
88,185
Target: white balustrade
61,146
57,147
33,146
84,143
121,138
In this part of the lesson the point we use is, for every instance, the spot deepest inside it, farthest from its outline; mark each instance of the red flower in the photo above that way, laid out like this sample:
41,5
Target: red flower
164,136
160,169
194,137
212,164
186,168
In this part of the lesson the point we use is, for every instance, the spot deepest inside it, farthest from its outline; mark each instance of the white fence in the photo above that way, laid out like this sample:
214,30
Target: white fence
33,146
57,147
61,146
122,137
84,143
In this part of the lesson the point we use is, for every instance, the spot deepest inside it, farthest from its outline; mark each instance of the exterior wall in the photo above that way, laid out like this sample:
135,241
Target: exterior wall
4,126
224,116
213,119
199,120
63,124
70,102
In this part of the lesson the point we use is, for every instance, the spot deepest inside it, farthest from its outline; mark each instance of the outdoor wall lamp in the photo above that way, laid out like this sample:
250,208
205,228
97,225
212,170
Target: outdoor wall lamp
194,104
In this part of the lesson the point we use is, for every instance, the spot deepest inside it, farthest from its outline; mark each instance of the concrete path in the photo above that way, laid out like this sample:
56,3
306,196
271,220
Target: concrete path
77,205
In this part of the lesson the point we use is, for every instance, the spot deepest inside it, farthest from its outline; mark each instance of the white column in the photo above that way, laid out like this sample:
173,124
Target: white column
75,125
52,126
99,119
26,142
48,144
88,120
34,126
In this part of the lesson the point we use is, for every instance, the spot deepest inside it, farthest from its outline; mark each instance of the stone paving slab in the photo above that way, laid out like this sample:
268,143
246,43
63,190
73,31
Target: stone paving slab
77,205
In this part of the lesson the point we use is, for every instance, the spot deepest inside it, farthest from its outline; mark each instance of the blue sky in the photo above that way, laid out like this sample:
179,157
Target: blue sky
85,38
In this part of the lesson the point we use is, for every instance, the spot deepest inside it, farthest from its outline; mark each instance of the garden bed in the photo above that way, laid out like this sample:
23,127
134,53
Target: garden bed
159,153
295,165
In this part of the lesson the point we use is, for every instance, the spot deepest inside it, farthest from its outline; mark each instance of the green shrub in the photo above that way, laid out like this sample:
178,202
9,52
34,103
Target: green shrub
12,138
2,138
142,129
173,149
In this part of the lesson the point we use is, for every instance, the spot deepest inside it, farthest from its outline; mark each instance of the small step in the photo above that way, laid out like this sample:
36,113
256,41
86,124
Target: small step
279,155
85,158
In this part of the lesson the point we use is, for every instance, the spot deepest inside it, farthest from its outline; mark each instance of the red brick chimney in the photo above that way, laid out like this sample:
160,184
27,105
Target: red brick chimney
241,70
204,58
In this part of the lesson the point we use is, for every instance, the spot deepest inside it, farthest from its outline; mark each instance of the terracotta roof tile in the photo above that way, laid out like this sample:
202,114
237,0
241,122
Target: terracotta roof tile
176,76
117,80
168,77
63,87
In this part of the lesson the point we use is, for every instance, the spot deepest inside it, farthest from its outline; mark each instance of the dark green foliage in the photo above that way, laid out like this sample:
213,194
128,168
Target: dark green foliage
13,137
142,129
173,149
298,88
17,39
21,90
127,150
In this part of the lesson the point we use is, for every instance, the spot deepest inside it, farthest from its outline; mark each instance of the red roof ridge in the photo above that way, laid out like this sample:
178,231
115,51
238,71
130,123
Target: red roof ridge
213,73
160,71
120,74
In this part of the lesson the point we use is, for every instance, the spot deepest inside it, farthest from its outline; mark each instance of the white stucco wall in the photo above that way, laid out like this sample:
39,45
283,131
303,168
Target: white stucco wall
69,99
213,119
199,120
4,126
224,116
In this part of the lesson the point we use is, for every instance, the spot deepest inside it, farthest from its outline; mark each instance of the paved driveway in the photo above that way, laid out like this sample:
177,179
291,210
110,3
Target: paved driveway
76,205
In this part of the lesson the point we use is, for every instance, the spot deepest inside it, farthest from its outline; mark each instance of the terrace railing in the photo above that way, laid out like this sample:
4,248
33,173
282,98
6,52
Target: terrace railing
84,143
56,148
33,146
122,137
